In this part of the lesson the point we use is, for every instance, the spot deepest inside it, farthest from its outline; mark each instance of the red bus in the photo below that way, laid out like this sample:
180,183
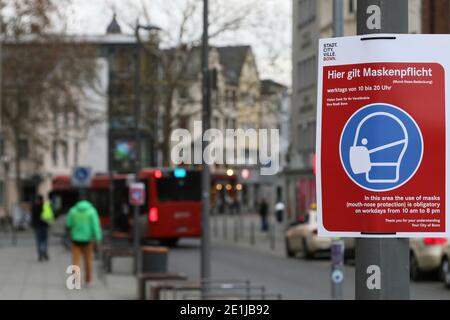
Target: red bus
172,209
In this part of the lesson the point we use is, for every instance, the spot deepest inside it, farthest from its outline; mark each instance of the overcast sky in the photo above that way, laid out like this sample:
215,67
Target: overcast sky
271,42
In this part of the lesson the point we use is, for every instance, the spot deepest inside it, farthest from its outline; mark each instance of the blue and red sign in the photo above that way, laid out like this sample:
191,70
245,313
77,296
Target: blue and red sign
137,194
382,150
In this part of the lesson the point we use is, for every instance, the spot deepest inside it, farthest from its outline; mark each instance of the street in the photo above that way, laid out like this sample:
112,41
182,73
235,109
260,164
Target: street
224,150
22,277
293,278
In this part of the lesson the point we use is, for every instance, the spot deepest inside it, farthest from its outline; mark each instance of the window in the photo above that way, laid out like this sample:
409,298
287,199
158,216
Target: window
2,147
352,6
76,148
228,96
176,189
55,152
306,12
248,125
307,72
24,107
231,123
215,122
76,119
183,93
100,198
23,148
2,193
66,118
307,136
183,122
65,149
307,105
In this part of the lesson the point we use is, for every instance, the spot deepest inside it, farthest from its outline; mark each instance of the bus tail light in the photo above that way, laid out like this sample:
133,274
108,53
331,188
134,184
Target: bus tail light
158,174
434,241
153,215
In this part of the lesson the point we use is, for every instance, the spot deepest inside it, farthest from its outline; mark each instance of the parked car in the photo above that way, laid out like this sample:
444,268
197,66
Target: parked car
426,255
445,265
301,236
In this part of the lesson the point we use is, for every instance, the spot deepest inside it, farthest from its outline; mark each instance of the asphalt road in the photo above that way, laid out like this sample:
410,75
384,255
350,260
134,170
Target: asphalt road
293,278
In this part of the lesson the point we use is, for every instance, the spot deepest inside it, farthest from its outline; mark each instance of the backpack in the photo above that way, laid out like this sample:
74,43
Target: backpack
47,213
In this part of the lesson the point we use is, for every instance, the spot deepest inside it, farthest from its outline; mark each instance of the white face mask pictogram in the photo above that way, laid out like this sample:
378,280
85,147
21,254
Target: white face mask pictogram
360,161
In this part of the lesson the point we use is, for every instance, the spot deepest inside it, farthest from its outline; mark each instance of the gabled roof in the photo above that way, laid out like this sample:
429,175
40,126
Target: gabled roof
269,87
232,58
193,68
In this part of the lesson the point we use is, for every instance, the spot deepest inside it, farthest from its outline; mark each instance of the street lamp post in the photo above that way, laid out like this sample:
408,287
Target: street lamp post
337,245
137,116
390,255
206,178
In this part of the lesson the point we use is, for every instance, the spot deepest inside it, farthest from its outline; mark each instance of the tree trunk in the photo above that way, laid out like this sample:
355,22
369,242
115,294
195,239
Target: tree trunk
17,164
167,128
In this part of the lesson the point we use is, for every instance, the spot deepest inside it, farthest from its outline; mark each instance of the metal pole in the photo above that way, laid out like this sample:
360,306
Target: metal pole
337,269
215,226
137,163
6,186
252,233
111,163
337,245
384,258
338,18
9,213
236,230
225,227
111,201
206,179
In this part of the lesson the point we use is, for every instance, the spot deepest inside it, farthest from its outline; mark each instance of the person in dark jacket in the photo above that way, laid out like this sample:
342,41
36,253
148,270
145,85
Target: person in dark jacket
40,228
263,211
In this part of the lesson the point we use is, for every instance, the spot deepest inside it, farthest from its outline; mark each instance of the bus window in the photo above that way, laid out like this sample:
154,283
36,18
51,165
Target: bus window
62,201
121,197
56,200
170,188
100,200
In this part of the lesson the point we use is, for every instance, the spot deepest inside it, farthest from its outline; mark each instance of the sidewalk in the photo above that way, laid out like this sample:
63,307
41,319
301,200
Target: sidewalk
22,277
245,231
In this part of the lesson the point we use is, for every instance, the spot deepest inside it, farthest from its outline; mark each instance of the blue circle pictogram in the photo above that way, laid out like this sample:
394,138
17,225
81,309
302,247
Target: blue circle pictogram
337,276
381,147
81,174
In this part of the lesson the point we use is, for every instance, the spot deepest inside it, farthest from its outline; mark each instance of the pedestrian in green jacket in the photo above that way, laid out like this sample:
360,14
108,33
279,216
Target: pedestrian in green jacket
84,226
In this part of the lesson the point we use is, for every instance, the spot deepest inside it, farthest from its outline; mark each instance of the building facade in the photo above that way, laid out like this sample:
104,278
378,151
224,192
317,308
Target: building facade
69,141
275,115
99,135
313,20
239,100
